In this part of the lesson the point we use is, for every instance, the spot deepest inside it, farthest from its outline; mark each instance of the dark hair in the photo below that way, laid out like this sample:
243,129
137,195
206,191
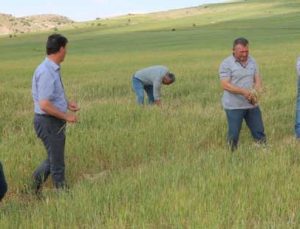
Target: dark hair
55,42
171,76
240,41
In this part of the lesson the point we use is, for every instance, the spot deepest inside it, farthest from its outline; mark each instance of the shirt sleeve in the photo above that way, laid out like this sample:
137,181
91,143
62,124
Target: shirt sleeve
45,86
224,71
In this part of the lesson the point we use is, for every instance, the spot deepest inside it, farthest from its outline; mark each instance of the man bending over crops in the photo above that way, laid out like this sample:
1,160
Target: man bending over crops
241,81
50,108
3,184
150,80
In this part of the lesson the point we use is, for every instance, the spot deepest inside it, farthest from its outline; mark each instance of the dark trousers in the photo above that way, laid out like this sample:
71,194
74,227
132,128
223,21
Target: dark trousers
253,120
3,184
52,133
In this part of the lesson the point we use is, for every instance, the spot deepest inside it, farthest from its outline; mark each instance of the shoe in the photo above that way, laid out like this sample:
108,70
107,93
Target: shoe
37,187
62,186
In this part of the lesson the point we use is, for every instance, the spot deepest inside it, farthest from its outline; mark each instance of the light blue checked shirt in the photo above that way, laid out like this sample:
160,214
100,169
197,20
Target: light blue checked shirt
47,85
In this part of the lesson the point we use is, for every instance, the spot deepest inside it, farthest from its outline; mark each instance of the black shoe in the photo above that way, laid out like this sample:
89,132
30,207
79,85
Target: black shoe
37,187
62,186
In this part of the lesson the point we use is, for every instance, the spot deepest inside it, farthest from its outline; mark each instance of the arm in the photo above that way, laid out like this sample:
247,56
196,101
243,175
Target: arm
257,83
156,91
225,74
50,109
226,85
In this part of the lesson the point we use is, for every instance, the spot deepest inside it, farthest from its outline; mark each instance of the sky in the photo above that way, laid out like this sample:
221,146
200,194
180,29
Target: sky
85,10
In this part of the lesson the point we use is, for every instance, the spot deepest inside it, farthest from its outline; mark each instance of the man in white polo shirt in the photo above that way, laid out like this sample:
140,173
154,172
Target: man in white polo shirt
239,76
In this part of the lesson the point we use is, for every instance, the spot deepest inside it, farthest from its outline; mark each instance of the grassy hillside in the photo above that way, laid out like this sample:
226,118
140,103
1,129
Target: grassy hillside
168,167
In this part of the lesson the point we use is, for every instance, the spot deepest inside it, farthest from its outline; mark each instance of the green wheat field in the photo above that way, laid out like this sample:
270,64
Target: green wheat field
158,167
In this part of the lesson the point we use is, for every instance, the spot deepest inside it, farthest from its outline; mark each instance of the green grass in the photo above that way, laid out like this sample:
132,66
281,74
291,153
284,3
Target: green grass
168,167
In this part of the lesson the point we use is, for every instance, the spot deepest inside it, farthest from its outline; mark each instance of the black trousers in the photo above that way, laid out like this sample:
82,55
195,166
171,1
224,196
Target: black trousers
52,133
3,184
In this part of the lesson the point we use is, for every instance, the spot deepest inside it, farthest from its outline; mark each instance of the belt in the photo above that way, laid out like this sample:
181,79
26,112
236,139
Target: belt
43,115
49,116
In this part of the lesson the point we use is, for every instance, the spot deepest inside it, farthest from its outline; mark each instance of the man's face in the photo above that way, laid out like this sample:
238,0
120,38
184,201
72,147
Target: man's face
241,52
167,80
63,52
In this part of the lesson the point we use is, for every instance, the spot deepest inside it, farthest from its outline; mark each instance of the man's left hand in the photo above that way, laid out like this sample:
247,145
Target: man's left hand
72,106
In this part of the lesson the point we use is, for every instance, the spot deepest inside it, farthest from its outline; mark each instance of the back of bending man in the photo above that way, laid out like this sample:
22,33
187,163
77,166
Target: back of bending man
151,79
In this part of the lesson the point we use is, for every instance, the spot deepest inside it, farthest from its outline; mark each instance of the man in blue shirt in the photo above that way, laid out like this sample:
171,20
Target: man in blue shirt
239,76
150,79
50,107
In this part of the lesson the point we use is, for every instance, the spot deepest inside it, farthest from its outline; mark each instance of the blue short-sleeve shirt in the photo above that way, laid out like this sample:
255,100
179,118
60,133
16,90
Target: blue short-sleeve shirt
47,85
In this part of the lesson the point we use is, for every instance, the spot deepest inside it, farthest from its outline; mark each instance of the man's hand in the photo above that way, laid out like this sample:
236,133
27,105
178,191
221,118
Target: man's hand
254,97
71,118
247,94
72,106
157,102
251,96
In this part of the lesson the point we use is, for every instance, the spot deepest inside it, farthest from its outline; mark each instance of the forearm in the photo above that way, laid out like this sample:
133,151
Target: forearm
50,109
257,83
234,89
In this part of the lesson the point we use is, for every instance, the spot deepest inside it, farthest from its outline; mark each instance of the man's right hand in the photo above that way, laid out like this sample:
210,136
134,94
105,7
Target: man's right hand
252,98
157,102
71,118
247,94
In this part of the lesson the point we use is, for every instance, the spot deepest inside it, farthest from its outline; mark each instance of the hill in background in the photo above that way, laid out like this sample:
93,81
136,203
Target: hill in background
203,15
17,25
